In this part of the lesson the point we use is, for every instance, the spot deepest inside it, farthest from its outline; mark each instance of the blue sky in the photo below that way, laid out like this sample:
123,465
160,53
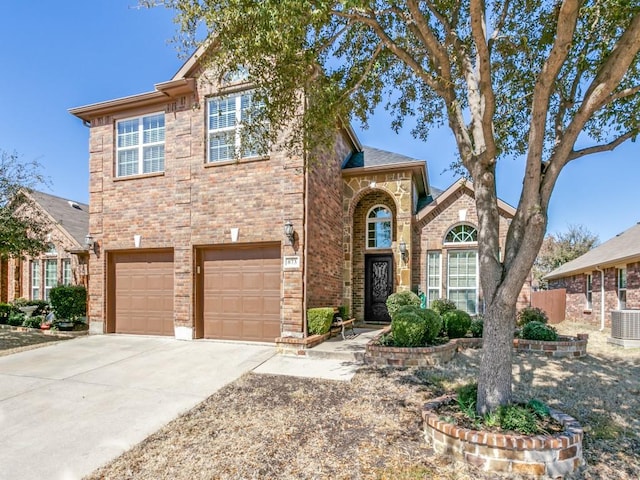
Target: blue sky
59,55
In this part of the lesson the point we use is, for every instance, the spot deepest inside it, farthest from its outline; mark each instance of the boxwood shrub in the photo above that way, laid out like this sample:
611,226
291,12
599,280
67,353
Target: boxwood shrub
5,310
476,328
33,322
442,306
319,320
68,301
531,314
539,331
400,299
456,323
413,326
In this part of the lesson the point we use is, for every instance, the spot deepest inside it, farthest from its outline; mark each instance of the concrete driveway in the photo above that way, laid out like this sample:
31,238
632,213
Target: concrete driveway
68,408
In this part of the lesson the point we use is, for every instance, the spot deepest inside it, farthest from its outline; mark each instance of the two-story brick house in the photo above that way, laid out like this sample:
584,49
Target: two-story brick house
192,242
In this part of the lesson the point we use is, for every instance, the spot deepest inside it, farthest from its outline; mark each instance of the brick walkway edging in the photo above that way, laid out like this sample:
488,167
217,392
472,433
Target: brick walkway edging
541,456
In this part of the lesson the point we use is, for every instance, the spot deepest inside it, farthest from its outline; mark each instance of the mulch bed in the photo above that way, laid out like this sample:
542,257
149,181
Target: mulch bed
13,341
273,427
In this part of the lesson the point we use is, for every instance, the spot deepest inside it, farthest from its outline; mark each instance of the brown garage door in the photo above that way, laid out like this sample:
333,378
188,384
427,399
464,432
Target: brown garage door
142,290
241,293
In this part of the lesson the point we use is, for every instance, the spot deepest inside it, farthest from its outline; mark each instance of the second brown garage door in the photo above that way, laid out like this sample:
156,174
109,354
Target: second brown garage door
141,292
241,293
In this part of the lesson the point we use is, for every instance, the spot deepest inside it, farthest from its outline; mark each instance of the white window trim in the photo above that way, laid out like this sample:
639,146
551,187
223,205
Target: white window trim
459,244
140,147
35,280
378,220
47,287
589,291
236,128
477,275
618,274
439,287
66,268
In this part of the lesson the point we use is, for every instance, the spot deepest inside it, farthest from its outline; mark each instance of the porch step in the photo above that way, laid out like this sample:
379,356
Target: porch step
346,356
350,350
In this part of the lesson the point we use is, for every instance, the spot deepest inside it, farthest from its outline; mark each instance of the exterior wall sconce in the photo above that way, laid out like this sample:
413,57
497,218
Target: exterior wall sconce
289,232
88,241
403,250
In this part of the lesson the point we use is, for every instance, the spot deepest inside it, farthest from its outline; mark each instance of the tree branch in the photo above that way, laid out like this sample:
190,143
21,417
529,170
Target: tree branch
607,147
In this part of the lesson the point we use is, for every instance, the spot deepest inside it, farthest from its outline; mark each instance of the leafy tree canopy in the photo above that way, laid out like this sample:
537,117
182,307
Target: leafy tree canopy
558,249
548,81
21,232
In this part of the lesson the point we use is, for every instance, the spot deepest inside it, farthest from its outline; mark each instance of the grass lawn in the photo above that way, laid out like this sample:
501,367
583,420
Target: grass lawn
272,427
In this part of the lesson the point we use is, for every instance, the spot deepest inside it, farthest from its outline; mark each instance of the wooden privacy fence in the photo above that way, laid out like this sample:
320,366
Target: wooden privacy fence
553,302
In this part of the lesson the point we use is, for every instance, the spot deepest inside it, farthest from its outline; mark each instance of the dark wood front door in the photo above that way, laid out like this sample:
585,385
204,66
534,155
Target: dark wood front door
378,285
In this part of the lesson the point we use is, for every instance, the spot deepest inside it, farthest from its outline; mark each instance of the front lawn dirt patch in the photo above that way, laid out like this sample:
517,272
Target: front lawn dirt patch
272,427
13,341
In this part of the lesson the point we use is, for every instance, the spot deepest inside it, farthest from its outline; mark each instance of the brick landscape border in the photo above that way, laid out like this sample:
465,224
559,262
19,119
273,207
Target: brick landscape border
564,347
539,455
407,357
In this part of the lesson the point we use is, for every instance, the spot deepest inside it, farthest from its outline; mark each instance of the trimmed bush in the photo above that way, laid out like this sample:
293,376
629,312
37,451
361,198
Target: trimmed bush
319,320
68,301
400,299
33,322
5,310
15,319
344,312
415,327
477,327
531,314
456,323
539,331
442,306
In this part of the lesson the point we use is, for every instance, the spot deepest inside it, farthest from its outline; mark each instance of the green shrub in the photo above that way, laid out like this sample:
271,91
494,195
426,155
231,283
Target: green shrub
344,312
68,301
400,299
5,310
33,322
531,314
456,323
319,320
538,407
477,327
442,306
539,331
15,319
518,418
413,326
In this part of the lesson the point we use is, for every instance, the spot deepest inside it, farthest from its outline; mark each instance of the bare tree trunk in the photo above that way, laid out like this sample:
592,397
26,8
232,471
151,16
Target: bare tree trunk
494,382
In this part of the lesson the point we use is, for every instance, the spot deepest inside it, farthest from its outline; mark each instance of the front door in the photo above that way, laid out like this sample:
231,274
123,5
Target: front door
378,285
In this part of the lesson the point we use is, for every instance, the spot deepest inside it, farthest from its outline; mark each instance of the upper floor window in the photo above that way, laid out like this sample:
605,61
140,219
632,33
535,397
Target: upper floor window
379,227
589,292
140,145
462,234
225,119
51,250
622,288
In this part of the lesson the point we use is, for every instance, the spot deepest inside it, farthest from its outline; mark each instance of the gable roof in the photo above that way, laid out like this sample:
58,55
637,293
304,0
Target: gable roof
374,157
442,196
70,216
619,249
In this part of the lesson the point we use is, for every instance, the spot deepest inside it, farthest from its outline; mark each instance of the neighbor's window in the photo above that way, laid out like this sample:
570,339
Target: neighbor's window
379,227
622,288
225,118
35,280
462,280
462,234
589,292
140,145
434,282
50,276
66,271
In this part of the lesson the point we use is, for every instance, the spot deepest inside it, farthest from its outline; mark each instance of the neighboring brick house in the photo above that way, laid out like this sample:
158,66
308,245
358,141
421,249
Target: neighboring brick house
64,263
610,271
191,241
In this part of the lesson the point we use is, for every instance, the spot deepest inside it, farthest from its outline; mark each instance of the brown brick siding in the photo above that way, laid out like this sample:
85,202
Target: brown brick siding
576,304
324,226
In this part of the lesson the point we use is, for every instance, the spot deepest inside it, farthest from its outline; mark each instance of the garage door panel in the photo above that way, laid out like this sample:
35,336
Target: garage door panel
242,293
143,292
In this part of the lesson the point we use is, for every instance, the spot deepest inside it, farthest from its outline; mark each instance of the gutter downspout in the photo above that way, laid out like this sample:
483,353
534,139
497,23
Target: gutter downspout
598,269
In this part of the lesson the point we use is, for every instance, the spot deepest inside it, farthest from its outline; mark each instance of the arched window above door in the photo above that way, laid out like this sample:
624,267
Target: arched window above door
462,233
379,227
